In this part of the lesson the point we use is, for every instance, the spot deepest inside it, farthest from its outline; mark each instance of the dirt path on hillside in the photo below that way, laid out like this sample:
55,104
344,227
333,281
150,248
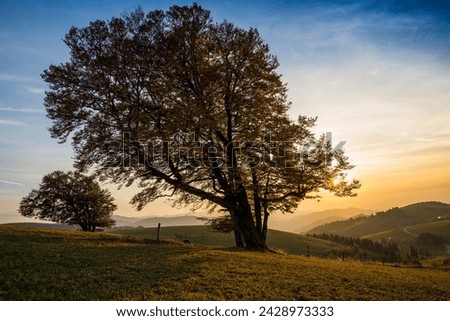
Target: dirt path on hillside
408,232
415,235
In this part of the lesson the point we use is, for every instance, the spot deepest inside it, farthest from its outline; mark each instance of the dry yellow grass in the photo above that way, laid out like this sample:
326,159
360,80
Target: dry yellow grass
60,265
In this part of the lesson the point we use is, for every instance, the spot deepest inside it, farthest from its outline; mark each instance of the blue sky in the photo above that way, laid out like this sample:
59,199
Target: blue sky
376,73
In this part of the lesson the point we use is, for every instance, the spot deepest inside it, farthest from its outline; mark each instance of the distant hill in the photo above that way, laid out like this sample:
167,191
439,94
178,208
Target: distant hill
124,222
304,222
43,225
295,223
393,218
152,221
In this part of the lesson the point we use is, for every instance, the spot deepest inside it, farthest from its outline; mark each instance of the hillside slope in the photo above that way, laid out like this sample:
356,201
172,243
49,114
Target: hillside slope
299,223
44,264
410,233
404,237
203,235
388,220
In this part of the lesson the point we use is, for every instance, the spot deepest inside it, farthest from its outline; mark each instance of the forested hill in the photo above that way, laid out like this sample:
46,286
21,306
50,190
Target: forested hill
390,219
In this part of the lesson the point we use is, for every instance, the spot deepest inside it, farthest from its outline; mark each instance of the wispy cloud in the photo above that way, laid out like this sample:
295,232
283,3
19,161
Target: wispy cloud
8,122
22,110
35,90
10,182
15,78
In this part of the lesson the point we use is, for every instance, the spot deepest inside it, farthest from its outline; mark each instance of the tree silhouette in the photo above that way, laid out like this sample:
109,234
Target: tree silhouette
191,109
427,238
413,252
70,198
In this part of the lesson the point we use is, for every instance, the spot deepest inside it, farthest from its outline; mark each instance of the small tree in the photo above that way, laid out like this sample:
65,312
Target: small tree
70,198
413,252
429,239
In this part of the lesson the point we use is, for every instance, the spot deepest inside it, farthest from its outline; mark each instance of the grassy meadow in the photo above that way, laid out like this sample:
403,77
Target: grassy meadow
281,241
51,264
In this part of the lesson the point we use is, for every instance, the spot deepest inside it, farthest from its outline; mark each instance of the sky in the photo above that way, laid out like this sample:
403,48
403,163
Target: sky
375,73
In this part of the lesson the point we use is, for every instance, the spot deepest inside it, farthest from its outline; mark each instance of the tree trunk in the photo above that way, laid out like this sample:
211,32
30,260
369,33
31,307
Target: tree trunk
238,239
266,210
265,222
246,229
238,236
256,202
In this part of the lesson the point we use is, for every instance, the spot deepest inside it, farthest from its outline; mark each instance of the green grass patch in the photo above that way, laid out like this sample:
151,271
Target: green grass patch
439,228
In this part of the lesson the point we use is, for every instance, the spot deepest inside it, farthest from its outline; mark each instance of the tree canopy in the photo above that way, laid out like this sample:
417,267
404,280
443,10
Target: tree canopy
70,198
189,108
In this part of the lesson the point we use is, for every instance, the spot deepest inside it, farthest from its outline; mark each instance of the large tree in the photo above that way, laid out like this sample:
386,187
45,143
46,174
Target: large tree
70,198
193,109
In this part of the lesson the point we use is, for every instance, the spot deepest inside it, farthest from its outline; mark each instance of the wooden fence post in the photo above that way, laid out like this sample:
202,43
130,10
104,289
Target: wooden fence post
157,232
